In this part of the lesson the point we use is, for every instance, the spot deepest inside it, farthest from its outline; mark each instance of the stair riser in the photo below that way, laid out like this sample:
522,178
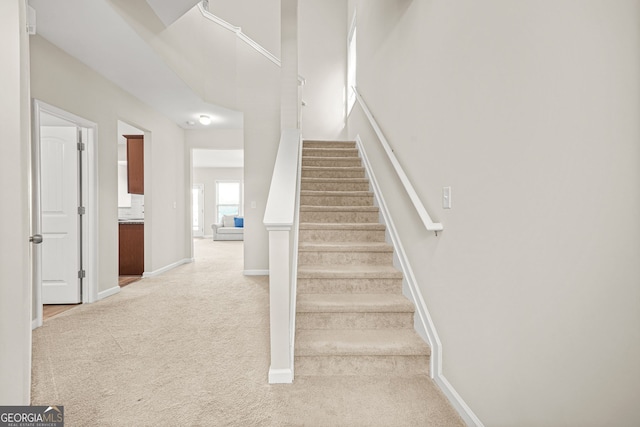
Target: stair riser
339,217
331,163
335,186
328,152
328,144
361,365
349,286
336,200
341,236
344,258
312,173
354,320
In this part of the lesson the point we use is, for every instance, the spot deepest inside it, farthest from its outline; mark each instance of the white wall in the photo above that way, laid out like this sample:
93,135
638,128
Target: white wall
259,19
208,177
322,62
258,85
62,81
530,113
15,278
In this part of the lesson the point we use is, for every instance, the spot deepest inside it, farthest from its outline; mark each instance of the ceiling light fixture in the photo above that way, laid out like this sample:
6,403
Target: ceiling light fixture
205,120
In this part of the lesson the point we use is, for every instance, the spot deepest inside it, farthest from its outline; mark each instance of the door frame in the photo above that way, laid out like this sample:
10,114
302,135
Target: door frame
201,206
89,221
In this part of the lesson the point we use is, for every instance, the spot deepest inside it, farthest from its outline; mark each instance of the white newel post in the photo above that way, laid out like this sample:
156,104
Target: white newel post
279,291
279,220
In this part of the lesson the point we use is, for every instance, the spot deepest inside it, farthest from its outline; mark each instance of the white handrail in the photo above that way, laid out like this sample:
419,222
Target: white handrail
242,36
280,209
417,203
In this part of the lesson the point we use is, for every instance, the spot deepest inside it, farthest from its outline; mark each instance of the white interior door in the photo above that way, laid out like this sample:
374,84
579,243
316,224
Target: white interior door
197,199
59,182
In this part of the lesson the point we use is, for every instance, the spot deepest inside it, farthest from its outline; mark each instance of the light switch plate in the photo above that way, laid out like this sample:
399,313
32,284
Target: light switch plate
446,197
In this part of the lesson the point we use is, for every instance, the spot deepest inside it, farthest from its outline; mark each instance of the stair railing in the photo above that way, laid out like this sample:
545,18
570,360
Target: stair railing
417,203
281,221
245,38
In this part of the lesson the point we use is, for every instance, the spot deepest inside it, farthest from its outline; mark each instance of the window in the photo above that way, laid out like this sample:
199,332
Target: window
228,198
351,66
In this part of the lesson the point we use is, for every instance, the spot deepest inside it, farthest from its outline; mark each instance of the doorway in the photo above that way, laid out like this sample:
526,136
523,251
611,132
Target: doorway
64,209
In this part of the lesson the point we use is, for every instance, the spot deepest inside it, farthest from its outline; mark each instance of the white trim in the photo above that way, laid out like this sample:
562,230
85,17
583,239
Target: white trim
422,322
108,292
36,323
201,205
458,403
256,272
280,376
293,298
167,268
90,198
417,203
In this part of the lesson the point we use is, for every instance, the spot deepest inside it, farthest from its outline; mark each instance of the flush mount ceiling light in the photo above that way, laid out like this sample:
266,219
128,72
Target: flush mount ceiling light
205,120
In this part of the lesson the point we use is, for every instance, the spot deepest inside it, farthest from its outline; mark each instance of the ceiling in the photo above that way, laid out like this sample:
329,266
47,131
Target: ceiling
97,35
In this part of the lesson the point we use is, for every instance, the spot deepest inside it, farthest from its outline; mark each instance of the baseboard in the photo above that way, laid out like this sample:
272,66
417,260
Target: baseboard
35,324
167,268
280,376
108,292
256,272
457,402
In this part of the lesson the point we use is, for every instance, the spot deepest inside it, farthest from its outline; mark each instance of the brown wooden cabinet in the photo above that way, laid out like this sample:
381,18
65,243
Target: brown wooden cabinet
135,163
131,249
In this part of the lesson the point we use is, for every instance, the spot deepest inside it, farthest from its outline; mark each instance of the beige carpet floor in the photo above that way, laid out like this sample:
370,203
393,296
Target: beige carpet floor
191,348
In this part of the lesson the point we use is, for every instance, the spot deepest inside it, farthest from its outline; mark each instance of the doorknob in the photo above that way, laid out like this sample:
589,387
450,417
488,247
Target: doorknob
36,238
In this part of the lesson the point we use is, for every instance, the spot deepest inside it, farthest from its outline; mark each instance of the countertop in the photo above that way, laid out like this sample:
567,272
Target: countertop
131,221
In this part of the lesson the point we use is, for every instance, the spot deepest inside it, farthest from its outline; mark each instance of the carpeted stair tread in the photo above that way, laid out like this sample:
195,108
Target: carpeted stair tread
309,143
368,226
360,342
348,272
334,168
336,193
336,159
312,208
346,247
330,152
353,303
323,180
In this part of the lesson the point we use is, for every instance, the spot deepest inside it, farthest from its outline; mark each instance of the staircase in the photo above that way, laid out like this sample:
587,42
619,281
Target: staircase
351,316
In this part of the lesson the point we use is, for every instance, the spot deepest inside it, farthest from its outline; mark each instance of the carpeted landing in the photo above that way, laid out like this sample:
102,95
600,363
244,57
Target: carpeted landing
191,348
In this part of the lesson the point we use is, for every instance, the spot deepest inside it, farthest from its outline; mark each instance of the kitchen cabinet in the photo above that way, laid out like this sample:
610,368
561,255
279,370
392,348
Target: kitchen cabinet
135,163
131,248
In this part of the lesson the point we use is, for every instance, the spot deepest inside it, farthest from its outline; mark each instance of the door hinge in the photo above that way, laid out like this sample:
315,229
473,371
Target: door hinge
81,146
82,274
81,210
